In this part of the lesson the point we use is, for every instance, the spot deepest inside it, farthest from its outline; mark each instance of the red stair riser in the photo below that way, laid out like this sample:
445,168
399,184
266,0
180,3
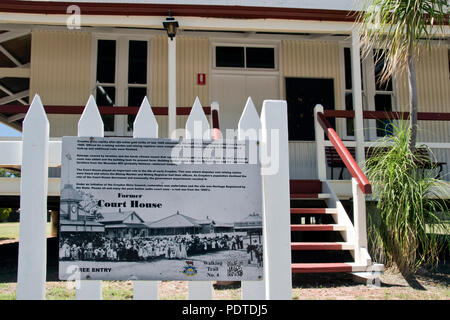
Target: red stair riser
315,246
304,195
311,227
305,186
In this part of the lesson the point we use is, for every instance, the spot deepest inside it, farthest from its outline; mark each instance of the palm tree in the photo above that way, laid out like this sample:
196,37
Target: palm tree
403,27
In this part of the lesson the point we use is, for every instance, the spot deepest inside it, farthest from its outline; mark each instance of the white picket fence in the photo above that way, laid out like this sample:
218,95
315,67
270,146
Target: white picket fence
35,153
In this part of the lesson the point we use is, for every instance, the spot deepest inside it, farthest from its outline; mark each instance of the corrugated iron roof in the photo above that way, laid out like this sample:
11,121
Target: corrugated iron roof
253,217
125,225
176,220
117,216
80,223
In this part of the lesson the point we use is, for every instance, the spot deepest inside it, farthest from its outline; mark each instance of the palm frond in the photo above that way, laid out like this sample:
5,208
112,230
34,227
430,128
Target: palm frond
401,26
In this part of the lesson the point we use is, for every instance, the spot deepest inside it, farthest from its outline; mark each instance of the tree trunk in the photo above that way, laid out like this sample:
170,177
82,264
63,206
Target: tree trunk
412,95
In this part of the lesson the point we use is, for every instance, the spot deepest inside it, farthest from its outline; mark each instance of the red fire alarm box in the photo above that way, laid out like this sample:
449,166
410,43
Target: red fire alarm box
201,79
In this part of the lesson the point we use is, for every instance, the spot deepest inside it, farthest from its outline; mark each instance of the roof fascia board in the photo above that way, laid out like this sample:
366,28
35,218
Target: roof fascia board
186,23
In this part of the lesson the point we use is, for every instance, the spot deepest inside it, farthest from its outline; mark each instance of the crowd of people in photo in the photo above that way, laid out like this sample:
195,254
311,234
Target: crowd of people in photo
97,247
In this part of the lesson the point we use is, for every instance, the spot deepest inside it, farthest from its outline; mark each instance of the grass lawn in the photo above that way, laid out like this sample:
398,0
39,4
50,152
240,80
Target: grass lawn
312,287
10,230
305,287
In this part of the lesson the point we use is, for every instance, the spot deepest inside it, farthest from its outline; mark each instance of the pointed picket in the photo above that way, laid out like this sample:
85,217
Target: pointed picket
90,125
145,126
248,128
31,273
197,125
249,123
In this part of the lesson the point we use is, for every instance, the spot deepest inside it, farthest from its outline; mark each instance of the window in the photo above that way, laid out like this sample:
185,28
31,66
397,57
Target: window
245,57
137,76
383,93
260,57
230,57
377,95
122,79
106,78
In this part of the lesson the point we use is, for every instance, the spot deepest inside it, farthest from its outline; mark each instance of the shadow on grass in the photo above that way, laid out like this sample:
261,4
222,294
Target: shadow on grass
9,260
329,280
322,280
226,285
412,281
440,275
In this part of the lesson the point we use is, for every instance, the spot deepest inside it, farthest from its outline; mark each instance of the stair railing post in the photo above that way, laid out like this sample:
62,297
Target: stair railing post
215,118
359,221
320,145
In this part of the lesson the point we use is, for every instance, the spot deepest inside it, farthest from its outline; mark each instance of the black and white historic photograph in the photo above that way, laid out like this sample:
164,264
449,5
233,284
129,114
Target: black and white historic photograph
128,213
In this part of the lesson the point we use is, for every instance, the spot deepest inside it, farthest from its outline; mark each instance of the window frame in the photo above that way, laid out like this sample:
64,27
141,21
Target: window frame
120,83
373,130
368,92
274,46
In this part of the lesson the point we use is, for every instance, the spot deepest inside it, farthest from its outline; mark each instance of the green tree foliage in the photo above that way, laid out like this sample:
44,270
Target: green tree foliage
403,27
4,214
9,173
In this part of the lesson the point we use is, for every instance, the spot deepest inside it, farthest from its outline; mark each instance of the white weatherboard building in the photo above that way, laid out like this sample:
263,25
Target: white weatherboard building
305,52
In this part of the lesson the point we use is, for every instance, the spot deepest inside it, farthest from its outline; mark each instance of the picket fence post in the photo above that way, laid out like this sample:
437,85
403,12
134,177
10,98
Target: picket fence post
145,126
249,127
31,272
196,127
277,240
90,125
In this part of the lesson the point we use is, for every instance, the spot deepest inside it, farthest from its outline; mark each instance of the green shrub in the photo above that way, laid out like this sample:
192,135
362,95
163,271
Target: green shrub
4,214
409,198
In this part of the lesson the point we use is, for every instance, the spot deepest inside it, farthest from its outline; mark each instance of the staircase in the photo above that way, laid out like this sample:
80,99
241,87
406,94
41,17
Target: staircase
322,234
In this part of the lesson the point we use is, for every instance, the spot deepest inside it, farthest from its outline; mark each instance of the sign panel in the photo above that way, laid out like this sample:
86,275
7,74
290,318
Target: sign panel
159,209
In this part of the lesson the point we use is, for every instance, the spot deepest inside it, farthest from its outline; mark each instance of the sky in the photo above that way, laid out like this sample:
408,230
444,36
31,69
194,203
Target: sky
6,131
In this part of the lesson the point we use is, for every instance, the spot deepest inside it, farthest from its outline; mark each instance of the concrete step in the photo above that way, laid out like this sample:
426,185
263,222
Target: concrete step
314,211
327,267
310,196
